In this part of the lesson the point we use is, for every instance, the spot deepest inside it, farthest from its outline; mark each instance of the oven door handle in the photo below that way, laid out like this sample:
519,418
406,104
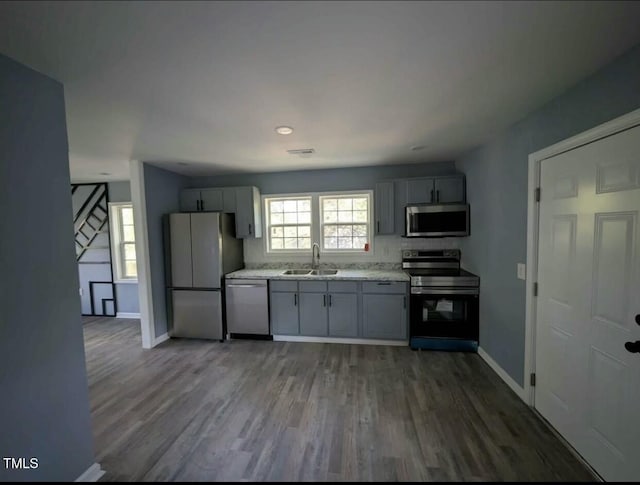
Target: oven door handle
420,290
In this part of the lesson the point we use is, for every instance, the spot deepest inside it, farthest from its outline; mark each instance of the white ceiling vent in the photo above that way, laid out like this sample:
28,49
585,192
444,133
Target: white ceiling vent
302,152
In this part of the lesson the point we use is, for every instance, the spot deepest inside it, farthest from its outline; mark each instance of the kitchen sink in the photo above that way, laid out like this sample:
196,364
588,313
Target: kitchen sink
296,271
320,272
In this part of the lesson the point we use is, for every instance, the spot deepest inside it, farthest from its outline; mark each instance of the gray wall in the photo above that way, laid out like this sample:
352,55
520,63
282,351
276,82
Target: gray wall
162,192
357,178
497,191
126,293
45,403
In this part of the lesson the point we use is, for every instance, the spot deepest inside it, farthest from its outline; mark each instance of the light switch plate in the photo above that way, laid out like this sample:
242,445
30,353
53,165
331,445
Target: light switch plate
522,271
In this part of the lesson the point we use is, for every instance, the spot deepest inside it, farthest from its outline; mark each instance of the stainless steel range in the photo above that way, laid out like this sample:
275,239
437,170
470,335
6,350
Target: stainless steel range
444,301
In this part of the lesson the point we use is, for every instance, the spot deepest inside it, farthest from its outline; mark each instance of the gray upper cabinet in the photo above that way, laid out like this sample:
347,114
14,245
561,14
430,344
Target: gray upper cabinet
436,190
450,189
313,314
190,200
384,208
343,314
211,200
248,213
229,199
284,313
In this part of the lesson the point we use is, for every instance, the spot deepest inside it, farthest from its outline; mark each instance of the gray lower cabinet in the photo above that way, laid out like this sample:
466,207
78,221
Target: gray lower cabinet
284,313
313,314
384,316
343,314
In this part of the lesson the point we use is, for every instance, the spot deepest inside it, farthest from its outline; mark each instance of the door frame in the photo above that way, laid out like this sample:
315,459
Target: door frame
604,130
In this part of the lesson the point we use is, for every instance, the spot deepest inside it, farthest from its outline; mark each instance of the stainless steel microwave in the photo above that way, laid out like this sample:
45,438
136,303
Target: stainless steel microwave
437,220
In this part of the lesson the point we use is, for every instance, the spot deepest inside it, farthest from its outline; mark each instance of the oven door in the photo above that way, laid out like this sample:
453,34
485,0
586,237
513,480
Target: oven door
444,313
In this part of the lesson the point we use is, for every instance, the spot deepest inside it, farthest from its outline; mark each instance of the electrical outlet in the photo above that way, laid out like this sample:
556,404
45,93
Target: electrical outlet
522,271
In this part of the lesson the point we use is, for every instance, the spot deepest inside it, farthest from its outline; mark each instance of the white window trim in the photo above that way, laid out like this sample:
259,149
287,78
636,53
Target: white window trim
316,225
369,223
114,237
267,219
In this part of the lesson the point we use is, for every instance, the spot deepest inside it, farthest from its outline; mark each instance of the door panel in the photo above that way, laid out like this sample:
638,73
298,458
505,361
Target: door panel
420,191
189,200
343,315
313,314
205,247
180,240
197,314
284,313
449,190
587,383
212,200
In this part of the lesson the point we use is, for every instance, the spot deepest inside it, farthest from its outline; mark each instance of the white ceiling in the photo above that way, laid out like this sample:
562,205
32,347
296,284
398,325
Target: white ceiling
361,82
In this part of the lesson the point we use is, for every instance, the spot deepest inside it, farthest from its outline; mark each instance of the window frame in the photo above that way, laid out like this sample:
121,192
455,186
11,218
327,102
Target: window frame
266,200
316,222
369,223
116,235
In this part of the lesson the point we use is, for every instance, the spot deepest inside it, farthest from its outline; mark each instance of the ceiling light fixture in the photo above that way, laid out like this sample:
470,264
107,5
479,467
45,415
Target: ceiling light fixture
284,130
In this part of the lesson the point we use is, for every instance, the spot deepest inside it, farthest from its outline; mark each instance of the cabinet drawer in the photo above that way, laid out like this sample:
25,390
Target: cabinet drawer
279,285
313,286
384,287
343,286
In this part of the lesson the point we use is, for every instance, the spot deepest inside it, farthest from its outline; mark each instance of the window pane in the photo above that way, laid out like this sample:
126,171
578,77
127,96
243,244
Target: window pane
330,231
345,243
277,218
291,231
360,204
127,215
304,217
276,206
130,269
128,233
304,206
344,204
290,206
359,242
129,251
344,216
359,230
277,232
277,243
304,243
344,231
331,243
330,216
329,204
290,218
291,243
360,216
304,231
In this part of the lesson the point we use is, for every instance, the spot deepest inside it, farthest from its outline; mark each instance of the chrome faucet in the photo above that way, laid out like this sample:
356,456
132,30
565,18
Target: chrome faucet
315,256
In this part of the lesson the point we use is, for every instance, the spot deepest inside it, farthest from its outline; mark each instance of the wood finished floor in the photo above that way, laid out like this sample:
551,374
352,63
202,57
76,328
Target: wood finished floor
193,410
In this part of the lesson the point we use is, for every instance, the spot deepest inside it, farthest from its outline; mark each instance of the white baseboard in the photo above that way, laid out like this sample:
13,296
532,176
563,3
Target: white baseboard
515,387
161,339
127,315
336,340
91,474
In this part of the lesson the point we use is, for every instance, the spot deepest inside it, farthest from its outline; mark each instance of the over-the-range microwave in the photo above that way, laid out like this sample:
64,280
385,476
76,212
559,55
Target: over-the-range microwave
437,220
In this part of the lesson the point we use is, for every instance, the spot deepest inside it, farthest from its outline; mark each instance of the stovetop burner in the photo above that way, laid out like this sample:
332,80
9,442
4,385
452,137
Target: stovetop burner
438,268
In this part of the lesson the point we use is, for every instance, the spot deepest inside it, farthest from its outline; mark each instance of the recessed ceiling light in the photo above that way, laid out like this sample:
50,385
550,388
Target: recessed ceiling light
284,130
105,173
415,148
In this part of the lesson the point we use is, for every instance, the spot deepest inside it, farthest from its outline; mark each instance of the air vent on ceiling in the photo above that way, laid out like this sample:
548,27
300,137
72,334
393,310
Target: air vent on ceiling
302,152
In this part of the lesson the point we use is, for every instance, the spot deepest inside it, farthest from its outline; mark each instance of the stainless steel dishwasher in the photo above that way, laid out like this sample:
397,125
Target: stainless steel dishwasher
247,303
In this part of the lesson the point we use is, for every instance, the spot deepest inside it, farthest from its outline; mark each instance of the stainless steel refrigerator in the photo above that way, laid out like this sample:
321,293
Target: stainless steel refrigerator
200,249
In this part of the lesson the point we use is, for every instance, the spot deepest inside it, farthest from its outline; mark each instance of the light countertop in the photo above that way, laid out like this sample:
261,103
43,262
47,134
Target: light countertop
342,274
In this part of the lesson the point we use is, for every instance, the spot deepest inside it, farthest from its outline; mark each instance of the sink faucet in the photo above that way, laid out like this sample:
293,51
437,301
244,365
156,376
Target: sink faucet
315,256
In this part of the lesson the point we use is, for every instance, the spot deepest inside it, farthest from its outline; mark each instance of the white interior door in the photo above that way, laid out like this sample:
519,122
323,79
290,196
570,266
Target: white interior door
587,382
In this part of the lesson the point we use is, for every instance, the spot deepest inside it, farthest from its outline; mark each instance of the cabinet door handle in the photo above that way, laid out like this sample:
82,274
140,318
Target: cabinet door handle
295,299
404,302
198,204
437,196
324,300
329,300
201,204
378,224
249,228
431,195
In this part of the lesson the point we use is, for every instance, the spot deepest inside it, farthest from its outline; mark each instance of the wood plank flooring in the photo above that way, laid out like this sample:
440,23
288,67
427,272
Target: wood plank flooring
269,411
